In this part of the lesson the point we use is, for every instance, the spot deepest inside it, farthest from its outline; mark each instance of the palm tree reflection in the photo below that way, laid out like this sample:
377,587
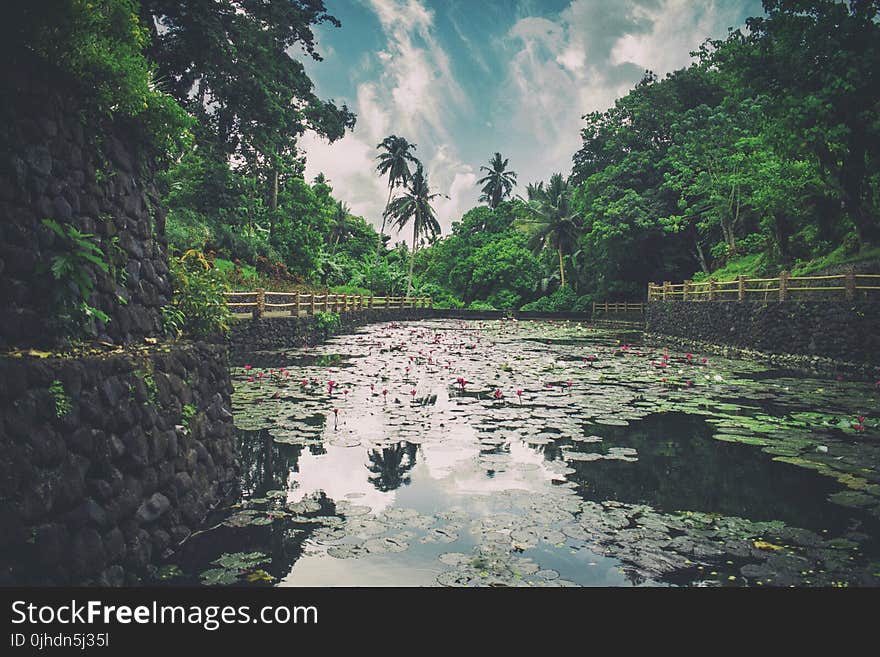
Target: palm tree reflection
391,466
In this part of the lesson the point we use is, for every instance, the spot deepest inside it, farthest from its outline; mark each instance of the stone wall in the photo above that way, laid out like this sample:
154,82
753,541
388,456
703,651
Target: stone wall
108,461
55,166
835,330
280,332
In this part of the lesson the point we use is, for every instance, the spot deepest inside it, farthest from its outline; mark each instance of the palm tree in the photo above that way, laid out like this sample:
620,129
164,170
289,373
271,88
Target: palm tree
551,221
415,205
497,183
340,224
393,162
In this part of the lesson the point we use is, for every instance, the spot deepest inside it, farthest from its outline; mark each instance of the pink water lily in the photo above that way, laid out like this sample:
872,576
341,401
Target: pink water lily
498,394
247,367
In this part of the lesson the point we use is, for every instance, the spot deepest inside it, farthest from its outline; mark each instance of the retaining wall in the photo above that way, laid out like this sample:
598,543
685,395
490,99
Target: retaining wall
109,461
837,330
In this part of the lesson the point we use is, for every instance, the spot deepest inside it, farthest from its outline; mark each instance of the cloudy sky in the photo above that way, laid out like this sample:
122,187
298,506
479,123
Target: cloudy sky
465,78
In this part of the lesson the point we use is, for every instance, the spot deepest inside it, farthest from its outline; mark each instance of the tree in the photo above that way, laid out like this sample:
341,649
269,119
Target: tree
818,61
415,205
497,183
228,63
394,162
551,221
340,224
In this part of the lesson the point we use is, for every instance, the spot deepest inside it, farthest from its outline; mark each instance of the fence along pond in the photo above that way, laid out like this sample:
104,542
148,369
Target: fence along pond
848,286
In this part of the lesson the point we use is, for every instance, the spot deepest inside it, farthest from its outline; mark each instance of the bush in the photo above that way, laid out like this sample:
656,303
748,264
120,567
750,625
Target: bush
351,290
562,300
481,305
198,308
327,322
441,297
504,300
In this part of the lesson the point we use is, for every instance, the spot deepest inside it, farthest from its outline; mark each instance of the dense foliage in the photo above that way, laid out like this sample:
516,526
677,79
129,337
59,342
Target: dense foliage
762,155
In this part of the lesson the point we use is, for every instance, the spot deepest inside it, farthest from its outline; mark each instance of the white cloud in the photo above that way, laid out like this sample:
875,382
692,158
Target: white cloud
587,57
557,69
414,96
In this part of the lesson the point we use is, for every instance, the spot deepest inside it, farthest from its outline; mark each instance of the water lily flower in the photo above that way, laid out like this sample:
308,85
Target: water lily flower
688,383
704,360
250,379
519,394
839,377
498,394
247,367
385,392
413,393
304,383
259,375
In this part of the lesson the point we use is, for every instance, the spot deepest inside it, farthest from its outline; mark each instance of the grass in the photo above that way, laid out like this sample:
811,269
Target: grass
755,265
836,258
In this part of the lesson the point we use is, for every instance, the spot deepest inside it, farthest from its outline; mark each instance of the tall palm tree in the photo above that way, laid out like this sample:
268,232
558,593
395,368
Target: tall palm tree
415,205
497,183
340,224
393,162
551,221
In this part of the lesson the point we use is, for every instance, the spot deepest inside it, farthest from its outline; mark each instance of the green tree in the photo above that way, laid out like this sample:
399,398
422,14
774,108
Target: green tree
498,183
552,222
415,206
817,62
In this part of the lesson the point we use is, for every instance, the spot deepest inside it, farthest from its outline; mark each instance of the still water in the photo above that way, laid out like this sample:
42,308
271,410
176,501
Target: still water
506,453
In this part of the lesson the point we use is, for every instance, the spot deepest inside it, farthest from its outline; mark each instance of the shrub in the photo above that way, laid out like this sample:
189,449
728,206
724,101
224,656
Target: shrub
480,305
327,322
198,309
562,300
71,264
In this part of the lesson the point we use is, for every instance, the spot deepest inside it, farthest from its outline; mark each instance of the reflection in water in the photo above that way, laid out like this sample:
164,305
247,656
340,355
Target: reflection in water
681,467
594,477
391,465
266,464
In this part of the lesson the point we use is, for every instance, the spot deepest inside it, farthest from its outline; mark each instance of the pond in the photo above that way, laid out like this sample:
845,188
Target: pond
538,453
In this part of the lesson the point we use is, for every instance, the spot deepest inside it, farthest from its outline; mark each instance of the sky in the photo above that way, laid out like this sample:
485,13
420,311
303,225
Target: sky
463,79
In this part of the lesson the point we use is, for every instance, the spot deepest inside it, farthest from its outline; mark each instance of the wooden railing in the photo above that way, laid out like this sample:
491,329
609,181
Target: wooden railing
847,286
260,302
618,307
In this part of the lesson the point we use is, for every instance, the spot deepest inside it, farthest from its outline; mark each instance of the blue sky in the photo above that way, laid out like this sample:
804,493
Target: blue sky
465,78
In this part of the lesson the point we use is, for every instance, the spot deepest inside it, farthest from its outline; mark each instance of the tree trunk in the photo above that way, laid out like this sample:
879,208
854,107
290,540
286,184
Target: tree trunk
701,257
273,201
561,267
412,258
381,241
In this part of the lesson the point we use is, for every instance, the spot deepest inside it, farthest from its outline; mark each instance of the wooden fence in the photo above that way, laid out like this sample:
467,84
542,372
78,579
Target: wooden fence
260,302
785,287
618,307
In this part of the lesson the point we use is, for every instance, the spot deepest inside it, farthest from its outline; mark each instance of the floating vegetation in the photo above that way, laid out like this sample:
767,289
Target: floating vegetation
550,454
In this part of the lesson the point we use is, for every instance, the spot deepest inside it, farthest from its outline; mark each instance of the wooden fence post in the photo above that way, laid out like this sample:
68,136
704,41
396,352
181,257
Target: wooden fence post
849,282
312,303
344,303
370,301
711,289
783,285
295,309
260,308
741,288
685,290
665,290
431,303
